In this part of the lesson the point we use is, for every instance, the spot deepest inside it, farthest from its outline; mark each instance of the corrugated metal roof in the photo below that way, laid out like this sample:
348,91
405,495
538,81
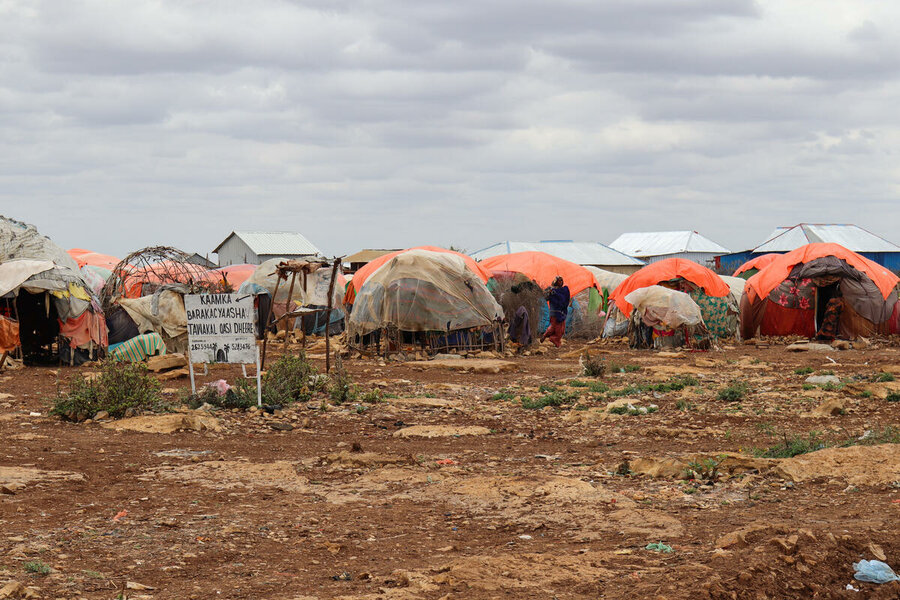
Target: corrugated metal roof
581,253
657,243
852,237
278,243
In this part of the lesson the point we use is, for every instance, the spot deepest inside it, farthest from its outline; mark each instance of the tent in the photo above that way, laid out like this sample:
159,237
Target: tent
790,295
752,266
663,317
428,298
583,319
359,278
43,292
236,274
95,259
706,288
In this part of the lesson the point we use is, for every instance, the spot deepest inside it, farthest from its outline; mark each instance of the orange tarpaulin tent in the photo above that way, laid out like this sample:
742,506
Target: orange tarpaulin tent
762,284
166,271
757,263
359,278
94,259
543,268
667,270
237,274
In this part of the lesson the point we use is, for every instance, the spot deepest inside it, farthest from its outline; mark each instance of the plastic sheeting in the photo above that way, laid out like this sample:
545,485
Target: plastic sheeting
421,290
663,308
265,278
16,272
162,313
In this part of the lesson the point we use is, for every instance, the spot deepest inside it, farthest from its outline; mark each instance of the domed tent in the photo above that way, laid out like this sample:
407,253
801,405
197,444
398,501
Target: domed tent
753,266
44,297
542,269
791,295
360,277
671,318
706,288
429,299
235,275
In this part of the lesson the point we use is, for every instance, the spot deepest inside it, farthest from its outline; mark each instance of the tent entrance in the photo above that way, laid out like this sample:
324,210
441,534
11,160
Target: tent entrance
824,293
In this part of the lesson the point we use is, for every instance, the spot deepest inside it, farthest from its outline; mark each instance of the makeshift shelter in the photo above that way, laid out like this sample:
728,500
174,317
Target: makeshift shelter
427,299
664,318
706,288
44,299
792,295
593,254
309,290
144,272
360,276
753,266
236,275
583,319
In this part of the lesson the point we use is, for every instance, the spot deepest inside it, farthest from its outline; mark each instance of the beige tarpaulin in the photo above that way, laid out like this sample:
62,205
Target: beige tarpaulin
660,306
314,293
421,290
16,272
169,316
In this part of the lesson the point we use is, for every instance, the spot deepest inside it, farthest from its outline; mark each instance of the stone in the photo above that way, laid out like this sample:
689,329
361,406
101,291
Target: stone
281,426
841,345
165,362
823,379
808,347
101,415
830,408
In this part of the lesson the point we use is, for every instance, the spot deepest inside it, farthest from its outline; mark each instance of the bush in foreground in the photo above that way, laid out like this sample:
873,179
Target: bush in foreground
118,387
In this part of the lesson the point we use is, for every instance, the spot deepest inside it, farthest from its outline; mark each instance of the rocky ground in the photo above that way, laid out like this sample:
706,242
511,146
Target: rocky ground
472,479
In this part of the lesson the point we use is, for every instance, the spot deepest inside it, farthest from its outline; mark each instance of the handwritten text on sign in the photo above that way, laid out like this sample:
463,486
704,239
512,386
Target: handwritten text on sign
220,328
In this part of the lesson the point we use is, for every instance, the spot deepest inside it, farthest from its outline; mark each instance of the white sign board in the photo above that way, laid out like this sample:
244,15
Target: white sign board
220,328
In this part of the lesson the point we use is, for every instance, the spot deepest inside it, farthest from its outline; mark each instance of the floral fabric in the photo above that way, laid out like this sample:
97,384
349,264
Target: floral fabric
795,293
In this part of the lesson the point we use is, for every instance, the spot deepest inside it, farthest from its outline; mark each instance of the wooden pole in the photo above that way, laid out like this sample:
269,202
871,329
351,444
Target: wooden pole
334,269
289,325
265,331
3,359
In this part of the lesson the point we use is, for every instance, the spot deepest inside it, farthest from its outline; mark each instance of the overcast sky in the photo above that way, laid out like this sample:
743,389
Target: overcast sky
389,124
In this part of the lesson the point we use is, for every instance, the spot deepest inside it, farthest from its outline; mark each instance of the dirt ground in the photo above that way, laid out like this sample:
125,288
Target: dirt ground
449,488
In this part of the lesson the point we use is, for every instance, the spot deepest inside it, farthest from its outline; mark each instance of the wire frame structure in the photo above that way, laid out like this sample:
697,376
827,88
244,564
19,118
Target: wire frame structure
145,271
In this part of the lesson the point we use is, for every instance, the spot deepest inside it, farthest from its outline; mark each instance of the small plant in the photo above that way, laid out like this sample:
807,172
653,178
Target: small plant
893,397
888,435
689,490
341,388
373,396
803,371
548,389
577,383
119,387
884,377
556,398
592,367
37,567
826,372
707,468
598,387
808,386
734,392
684,405
866,394
832,387
241,395
793,446
504,394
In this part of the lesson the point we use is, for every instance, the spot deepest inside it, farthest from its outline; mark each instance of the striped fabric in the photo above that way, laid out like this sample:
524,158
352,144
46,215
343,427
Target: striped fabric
138,348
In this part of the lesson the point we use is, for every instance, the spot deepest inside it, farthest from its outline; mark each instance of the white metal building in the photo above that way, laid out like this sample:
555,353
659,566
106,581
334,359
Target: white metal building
653,246
592,254
255,247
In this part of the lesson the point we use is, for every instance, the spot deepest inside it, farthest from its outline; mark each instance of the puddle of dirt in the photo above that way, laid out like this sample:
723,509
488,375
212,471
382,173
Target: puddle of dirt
435,431
231,474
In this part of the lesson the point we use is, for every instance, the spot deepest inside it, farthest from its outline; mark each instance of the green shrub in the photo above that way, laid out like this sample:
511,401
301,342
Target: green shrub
291,379
884,377
373,396
119,387
503,394
341,387
577,383
893,397
598,387
242,395
793,446
733,392
37,567
808,386
556,398
592,367
803,371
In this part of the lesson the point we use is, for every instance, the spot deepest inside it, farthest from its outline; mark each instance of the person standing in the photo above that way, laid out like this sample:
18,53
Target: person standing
558,297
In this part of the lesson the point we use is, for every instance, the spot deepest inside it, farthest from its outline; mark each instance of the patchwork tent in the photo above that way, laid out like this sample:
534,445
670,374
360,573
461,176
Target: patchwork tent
583,319
359,278
43,292
791,295
753,266
662,317
428,298
706,288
